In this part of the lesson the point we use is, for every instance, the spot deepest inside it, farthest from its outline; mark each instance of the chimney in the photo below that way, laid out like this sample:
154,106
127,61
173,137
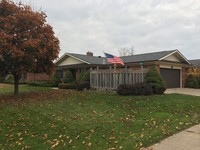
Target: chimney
89,53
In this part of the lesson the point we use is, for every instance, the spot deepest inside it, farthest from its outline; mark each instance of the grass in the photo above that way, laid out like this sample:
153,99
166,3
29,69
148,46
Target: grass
9,89
92,120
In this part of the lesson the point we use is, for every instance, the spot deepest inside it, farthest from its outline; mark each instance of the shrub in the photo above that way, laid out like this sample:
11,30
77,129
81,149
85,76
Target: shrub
145,89
79,79
67,86
9,79
198,80
134,89
1,79
39,83
68,77
155,80
83,85
191,82
55,80
86,76
125,89
21,82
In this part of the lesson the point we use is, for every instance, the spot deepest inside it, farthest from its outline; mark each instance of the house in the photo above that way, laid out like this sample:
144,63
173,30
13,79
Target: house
195,69
171,64
35,77
195,62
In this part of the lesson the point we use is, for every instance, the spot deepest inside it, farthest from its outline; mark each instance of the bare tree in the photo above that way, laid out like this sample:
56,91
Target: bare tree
126,51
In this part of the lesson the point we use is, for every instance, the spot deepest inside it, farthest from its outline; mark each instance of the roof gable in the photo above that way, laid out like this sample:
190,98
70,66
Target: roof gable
69,61
175,56
80,58
172,58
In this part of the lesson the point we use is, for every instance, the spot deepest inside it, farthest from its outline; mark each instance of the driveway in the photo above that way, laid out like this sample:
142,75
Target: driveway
187,91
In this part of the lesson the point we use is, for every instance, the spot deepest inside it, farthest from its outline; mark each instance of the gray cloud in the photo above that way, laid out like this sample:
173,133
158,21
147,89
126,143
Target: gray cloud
108,25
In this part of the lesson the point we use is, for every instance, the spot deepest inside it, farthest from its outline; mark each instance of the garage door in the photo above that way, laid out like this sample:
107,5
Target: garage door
171,77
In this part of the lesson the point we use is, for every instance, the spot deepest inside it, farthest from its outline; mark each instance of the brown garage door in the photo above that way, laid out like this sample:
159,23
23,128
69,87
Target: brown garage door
171,77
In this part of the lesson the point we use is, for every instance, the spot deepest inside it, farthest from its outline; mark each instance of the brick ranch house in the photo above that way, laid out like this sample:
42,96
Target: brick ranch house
172,65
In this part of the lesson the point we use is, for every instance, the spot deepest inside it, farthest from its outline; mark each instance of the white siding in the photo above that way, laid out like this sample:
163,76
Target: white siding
173,58
70,61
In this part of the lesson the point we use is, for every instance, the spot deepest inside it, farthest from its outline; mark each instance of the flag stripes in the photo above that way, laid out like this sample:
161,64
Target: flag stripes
114,59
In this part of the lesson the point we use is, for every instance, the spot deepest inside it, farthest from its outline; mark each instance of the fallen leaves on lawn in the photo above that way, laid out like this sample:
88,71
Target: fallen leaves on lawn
35,96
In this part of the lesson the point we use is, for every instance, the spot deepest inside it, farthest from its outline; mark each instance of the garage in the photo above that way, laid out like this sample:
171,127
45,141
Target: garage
171,77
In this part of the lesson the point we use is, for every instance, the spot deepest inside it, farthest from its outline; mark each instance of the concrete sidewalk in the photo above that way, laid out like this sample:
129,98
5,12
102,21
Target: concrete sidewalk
188,139
187,91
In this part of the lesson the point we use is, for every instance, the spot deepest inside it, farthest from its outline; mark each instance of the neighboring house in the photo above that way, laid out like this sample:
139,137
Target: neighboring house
195,62
171,64
195,69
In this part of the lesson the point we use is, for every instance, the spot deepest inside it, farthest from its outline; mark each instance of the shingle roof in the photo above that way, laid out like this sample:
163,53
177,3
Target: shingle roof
127,59
195,62
155,56
89,59
146,57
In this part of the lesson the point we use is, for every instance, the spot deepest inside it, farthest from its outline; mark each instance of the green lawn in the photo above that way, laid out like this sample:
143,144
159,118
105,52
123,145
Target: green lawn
22,88
64,119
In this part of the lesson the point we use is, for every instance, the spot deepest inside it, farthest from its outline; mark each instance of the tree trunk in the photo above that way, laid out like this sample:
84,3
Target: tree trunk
16,84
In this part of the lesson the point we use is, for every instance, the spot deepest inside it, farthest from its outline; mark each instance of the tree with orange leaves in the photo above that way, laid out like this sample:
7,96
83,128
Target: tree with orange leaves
27,42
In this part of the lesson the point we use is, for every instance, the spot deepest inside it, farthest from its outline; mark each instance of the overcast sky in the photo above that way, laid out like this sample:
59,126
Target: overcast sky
108,25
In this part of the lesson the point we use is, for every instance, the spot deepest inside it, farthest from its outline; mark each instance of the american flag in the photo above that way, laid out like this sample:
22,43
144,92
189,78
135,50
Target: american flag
114,59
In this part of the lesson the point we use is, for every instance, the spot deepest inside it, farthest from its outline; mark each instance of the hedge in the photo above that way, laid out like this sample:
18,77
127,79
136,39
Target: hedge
83,85
39,83
192,82
67,86
134,89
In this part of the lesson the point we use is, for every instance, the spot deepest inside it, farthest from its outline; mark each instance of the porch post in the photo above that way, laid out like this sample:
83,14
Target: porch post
97,78
126,74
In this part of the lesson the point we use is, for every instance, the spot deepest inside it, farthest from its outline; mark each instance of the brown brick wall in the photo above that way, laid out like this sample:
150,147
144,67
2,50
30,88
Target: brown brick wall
184,75
38,77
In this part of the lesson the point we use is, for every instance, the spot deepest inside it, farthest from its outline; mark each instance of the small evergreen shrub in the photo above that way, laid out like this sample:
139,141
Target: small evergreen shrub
191,82
155,80
83,85
55,80
67,86
68,77
134,89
